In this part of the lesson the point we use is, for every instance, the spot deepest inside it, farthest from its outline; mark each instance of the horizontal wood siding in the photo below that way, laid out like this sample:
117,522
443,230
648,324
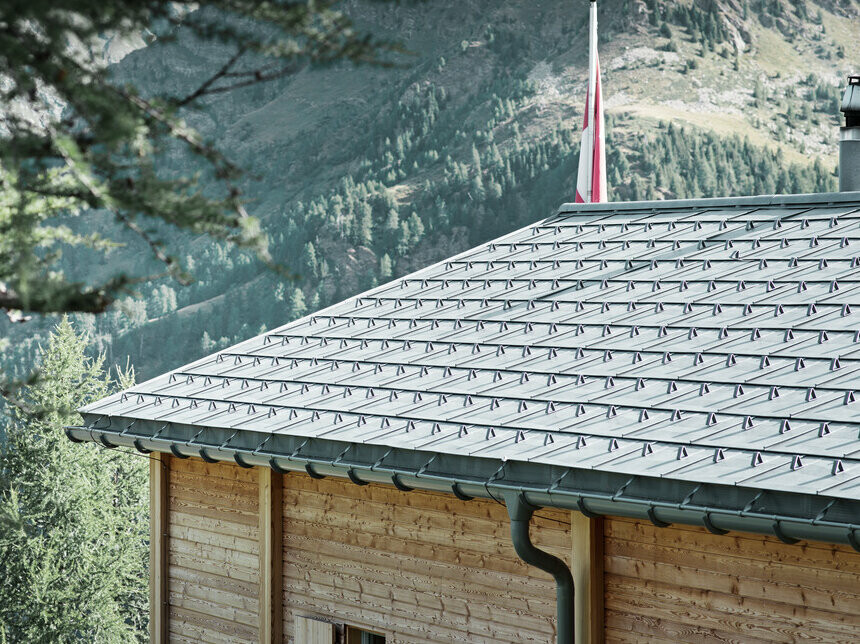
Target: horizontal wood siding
213,552
684,584
417,566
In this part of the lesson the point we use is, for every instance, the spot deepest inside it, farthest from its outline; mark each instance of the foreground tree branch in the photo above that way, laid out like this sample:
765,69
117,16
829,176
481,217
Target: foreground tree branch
99,153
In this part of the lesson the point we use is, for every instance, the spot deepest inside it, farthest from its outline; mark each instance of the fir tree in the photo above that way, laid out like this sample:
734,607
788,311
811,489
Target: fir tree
385,269
73,520
297,306
309,260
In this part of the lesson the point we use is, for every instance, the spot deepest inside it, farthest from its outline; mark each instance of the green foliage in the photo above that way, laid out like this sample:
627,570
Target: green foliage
104,146
296,304
703,21
385,267
73,519
823,96
683,163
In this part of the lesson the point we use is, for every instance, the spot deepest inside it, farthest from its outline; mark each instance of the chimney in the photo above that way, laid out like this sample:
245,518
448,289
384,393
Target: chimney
849,138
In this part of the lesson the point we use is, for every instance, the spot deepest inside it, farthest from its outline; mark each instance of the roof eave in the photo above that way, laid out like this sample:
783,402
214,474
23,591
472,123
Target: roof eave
719,508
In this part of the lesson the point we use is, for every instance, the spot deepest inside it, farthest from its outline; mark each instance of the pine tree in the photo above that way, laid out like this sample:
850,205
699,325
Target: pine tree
309,260
297,306
206,343
364,226
73,520
385,269
416,228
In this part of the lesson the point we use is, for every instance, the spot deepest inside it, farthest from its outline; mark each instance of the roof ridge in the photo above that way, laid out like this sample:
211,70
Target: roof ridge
612,207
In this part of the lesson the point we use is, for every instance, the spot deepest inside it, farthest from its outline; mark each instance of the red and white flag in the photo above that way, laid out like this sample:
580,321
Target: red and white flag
591,178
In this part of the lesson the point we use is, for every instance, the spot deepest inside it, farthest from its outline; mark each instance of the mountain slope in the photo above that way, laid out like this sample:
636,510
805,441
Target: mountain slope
364,174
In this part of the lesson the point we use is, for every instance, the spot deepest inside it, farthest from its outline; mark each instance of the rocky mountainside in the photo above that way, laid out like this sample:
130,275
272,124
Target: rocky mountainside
362,174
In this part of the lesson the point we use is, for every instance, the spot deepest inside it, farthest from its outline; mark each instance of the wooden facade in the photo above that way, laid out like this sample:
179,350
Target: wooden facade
213,551
424,567
684,584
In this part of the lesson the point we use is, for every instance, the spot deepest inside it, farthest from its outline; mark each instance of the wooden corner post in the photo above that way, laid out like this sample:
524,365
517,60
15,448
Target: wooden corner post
271,556
587,578
159,485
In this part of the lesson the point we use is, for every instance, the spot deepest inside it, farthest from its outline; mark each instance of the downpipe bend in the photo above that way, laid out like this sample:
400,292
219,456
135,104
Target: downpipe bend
520,512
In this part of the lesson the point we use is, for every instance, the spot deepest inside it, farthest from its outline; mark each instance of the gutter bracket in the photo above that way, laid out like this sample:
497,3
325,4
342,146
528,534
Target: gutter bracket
455,488
354,477
104,441
777,530
240,461
309,468
853,540
580,504
706,519
652,516
396,482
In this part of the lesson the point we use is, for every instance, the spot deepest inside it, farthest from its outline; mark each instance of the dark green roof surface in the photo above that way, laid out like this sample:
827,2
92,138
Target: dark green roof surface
712,341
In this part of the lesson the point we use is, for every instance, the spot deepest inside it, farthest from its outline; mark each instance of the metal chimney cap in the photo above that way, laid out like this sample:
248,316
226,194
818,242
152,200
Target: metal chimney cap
851,97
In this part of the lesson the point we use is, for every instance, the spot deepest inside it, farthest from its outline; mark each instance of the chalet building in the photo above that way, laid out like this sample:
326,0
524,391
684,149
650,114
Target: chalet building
628,422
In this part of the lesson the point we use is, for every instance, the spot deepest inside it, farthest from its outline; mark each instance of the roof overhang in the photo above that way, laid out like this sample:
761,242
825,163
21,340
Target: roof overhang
719,508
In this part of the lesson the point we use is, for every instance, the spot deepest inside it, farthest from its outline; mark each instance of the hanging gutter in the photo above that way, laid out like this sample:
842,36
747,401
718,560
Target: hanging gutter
719,508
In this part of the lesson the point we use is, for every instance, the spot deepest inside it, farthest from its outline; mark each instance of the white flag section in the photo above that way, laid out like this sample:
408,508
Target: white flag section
591,178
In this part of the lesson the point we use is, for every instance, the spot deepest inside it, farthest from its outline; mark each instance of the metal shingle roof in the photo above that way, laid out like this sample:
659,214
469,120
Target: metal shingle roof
715,341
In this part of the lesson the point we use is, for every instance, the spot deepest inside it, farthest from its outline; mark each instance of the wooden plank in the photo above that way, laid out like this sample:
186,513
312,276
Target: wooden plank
211,604
765,614
360,559
237,587
769,549
633,628
234,510
445,503
733,582
208,628
507,562
271,555
159,465
454,597
219,470
429,526
213,552
222,556
314,631
460,609
587,571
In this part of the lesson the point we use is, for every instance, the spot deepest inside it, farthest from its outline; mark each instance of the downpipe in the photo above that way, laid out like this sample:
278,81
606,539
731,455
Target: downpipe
520,513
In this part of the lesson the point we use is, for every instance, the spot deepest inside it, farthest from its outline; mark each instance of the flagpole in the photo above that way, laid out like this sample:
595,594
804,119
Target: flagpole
591,173
592,86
